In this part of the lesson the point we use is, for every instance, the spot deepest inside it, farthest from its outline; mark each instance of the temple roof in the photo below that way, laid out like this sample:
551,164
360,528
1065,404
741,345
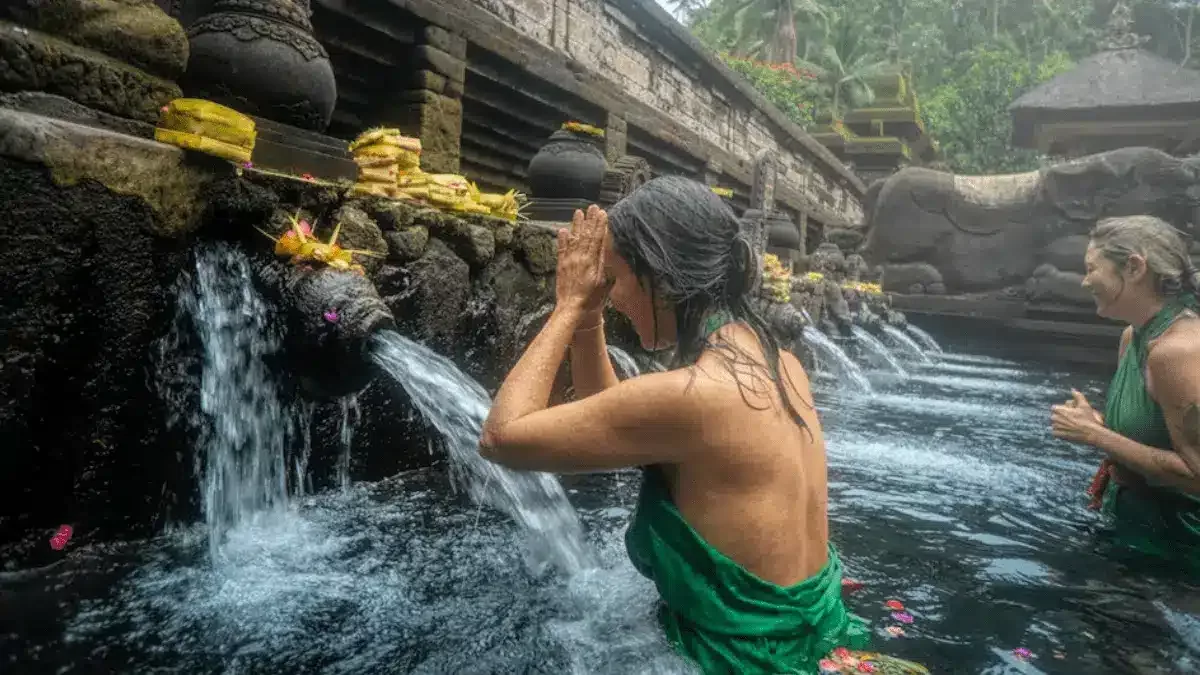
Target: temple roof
1125,78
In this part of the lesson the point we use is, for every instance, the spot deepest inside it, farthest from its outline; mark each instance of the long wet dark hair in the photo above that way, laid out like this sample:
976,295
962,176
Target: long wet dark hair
687,247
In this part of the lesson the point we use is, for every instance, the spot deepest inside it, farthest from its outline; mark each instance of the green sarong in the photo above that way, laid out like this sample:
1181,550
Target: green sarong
1155,520
723,617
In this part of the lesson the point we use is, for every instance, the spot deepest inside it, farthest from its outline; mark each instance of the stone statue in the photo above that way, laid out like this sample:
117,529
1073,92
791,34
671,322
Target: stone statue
936,232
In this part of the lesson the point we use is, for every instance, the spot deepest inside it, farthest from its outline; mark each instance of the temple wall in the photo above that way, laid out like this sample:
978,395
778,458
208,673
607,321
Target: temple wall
631,50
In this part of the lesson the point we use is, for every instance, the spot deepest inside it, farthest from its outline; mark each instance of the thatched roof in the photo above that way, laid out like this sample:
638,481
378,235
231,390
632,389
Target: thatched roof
1126,78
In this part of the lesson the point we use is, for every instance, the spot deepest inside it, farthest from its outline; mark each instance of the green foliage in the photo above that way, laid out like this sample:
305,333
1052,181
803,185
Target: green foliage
968,113
969,59
788,88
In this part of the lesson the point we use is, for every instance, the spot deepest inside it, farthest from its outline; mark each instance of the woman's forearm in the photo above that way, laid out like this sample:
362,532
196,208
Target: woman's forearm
1159,466
527,388
591,368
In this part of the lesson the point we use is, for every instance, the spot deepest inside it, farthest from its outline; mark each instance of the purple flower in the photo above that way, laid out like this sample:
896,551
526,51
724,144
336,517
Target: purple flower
1022,653
331,316
902,617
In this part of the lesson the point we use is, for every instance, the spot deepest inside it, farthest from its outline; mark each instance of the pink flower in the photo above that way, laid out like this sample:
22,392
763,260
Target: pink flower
1022,653
307,176
59,541
331,316
248,165
902,617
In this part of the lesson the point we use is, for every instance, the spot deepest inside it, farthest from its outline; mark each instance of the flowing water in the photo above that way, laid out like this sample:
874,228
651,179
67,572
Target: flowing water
946,493
241,466
828,352
910,347
931,345
625,365
878,350
456,406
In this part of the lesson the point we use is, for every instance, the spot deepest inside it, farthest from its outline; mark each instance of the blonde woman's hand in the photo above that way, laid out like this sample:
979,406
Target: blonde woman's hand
581,283
1076,420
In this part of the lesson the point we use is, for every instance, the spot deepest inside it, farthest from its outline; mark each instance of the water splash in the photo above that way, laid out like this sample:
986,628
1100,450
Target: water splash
848,369
241,462
925,338
350,409
624,363
908,343
873,345
456,406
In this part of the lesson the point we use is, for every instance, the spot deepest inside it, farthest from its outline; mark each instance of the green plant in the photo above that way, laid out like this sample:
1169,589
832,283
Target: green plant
788,88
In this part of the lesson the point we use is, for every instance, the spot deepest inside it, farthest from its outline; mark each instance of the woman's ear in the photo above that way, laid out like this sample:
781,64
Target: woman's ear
1135,267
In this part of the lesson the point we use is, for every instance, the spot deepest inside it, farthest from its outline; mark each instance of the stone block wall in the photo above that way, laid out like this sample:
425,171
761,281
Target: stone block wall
637,47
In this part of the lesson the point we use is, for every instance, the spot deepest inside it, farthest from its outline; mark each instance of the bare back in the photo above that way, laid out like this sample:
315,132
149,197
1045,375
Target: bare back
757,491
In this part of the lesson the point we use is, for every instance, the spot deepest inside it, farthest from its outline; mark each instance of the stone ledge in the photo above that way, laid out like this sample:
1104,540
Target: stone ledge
156,173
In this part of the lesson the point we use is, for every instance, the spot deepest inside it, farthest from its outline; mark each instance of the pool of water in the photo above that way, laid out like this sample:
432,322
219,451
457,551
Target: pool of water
946,490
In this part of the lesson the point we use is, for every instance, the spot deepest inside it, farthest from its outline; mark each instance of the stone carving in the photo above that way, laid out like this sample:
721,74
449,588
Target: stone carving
115,57
260,58
766,175
625,175
1051,285
986,233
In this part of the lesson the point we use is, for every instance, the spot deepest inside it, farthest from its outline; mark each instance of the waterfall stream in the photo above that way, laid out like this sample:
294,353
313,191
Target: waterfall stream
456,406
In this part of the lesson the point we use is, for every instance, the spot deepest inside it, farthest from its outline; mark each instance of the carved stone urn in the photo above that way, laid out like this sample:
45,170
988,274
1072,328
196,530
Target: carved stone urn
566,174
260,58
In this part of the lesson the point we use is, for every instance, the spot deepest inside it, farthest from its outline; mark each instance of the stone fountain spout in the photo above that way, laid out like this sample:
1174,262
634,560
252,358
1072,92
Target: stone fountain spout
330,316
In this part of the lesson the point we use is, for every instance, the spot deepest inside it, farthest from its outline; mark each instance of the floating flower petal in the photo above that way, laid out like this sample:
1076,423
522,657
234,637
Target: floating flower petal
902,617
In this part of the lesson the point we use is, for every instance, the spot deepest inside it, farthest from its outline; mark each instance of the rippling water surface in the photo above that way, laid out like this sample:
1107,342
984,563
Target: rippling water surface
946,493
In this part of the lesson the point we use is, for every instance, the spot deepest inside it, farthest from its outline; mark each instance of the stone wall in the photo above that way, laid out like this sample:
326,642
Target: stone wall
100,226
633,60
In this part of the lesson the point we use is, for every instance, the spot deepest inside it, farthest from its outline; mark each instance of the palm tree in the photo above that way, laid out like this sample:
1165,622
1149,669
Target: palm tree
844,64
762,29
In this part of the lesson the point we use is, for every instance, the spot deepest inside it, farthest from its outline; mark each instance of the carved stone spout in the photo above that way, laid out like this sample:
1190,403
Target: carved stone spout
260,58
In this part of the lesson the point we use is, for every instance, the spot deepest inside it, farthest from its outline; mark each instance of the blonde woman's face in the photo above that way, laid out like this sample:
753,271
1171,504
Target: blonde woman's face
1103,280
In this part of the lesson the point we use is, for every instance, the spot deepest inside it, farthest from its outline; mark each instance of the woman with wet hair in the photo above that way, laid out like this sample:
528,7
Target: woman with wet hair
731,524
1139,272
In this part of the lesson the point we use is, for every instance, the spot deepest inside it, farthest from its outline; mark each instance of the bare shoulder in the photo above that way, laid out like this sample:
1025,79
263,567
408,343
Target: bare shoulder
1180,341
1174,361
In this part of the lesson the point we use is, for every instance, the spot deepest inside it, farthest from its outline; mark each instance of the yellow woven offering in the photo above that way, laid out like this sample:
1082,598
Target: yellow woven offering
204,126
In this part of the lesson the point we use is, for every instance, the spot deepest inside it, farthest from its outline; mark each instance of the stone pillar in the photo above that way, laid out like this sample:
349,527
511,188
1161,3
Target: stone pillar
712,173
802,229
616,138
433,104
766,174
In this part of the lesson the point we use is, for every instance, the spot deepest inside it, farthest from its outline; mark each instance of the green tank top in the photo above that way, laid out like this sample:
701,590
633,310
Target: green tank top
723,617
1154,519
